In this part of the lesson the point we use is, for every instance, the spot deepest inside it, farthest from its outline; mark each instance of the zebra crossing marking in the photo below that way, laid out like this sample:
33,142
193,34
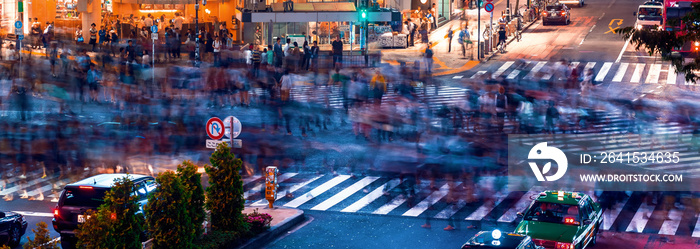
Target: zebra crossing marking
17,186
620,72
521,205
292,189
589,65
610,215
369,198
513,74
477,74
345,193
451,210
258,186
316,191
457,77
603,71
671,225
654,73
671,76
537,68
696,231
485,209
502,69
637,75
433,198
641,218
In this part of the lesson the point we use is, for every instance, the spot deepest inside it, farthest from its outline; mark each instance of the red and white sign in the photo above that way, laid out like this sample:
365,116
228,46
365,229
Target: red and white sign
215,128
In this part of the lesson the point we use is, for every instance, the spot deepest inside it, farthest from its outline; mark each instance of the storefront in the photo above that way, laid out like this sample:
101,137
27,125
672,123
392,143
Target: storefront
320,22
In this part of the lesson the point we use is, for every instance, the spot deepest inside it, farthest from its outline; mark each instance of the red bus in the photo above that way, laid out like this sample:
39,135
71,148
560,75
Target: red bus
674,11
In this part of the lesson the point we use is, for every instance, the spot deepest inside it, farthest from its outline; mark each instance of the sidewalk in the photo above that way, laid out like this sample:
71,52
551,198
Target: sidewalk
283,219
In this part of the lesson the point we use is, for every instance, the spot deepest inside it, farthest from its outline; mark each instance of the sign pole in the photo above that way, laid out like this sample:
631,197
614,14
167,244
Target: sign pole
478,32
153,64
491,33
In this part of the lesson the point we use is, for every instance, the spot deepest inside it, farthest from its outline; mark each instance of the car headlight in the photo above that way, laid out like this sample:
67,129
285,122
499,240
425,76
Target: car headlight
697,44
562,245
639,27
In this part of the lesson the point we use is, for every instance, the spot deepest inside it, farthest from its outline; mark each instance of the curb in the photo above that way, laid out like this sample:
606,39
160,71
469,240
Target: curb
510,40
262,239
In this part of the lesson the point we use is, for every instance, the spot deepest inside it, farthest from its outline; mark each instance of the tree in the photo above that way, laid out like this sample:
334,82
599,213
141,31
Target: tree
42,238
225,191
116,223
166,214
662,42
192,183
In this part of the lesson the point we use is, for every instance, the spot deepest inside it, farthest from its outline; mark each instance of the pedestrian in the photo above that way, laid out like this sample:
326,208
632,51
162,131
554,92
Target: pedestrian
93,81
433,13
35,33
102,34
551,116
256,59
113,41
295,57
278,53
286,84
464,40
337,46
307,56
93,36
449,35
53,57
79,36
314,57
216,50
428,55
412,27
377,86
177,42
424,33
270,56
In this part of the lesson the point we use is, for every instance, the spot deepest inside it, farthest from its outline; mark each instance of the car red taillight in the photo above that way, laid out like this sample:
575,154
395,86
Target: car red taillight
544,13
55,212
563,13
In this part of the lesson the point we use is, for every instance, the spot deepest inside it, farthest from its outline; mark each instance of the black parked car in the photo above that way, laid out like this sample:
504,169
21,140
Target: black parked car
12,227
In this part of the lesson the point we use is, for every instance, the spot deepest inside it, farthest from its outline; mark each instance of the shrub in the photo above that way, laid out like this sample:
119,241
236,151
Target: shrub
192,183
42,238
166,214
219,239
259,222
225,193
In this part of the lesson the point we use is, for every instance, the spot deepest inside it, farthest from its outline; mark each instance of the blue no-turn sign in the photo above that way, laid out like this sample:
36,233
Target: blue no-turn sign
18,24
488,7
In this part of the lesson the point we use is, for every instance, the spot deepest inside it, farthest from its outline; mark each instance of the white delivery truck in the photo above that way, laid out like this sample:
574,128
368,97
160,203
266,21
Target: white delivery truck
649,15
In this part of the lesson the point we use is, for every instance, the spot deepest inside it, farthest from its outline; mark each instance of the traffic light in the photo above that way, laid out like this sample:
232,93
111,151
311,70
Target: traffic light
481,3
363,15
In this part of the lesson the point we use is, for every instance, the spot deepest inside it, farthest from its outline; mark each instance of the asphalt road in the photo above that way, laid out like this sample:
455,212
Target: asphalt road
336,230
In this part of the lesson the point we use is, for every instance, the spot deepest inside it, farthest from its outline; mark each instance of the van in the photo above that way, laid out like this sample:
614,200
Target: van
88,194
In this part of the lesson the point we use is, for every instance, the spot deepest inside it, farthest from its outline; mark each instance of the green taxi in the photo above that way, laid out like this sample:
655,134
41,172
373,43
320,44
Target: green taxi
562,220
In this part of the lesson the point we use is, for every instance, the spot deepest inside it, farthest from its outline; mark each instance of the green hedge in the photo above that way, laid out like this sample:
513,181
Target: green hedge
221,239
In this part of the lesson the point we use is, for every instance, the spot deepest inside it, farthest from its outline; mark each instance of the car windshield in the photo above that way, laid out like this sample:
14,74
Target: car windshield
555,7
84,197
649,14
553,213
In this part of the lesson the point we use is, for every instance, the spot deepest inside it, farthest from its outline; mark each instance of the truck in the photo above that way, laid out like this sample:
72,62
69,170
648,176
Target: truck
649,16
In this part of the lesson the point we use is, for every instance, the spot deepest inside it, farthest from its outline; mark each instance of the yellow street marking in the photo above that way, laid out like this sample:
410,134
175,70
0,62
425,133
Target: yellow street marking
619,22
610,25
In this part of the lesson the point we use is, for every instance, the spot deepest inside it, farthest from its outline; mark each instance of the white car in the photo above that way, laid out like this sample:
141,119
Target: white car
580,3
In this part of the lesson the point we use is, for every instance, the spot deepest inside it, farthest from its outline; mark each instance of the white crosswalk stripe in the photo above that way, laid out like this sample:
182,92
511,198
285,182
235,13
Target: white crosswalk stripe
641,217
603,71
347,192
654,73
503,68
620,72
316,191
671,75
638,70
425,204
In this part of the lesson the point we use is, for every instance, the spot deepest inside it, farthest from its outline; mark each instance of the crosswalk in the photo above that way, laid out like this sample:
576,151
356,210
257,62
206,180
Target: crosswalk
638,73
446,200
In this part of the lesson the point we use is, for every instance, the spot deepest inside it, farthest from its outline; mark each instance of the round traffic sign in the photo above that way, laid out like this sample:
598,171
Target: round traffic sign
215,128
231,120
488,7
18,24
